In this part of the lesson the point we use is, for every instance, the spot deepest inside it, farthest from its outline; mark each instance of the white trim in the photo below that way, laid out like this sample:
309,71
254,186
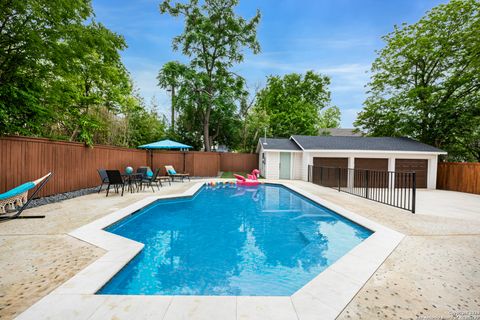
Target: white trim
375,151
291,137
356,151
281,150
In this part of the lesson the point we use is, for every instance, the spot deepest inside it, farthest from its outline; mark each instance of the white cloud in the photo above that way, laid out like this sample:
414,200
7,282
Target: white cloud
353,68
347,80
144,74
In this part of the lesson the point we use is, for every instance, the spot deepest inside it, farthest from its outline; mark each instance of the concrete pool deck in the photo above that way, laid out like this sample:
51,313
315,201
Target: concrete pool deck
433,272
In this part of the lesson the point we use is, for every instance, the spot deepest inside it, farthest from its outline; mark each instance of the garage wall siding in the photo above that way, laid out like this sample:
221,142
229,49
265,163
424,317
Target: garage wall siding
306,161
373,161
272,165
297,165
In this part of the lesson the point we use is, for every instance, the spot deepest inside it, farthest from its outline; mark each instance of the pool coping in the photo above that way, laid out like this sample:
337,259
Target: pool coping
326,295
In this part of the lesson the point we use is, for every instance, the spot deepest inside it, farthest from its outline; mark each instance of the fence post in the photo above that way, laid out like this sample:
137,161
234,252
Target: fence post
338,179
414,191
366,183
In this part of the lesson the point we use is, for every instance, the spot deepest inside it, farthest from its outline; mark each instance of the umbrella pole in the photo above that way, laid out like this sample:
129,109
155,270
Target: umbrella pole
151,159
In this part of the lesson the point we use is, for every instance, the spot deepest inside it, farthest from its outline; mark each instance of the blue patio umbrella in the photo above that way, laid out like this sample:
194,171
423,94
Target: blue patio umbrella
164,145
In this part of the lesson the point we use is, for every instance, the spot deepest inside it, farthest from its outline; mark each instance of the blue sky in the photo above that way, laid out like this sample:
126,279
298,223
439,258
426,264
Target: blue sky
334,37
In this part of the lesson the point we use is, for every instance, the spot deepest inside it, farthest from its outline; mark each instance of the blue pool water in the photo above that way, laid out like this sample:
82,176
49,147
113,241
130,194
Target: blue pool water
266,240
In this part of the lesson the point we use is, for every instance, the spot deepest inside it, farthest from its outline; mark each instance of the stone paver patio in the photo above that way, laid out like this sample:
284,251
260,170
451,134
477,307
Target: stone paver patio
435,271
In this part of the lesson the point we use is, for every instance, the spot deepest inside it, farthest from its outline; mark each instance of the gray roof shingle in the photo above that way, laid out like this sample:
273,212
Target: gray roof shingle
279,144
362,143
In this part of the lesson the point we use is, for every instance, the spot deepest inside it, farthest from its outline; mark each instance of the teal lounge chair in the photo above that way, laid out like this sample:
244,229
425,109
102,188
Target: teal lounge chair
18,198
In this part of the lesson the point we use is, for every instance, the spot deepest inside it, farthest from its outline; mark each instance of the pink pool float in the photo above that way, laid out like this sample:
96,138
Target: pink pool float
250,181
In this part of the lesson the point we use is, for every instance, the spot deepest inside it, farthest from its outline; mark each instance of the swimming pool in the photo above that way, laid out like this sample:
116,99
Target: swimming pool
266,240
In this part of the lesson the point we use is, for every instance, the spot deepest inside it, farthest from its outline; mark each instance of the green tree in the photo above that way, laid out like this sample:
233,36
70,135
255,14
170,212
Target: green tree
61,76
292,103
330,118
170,77
92,79
31,34
213,39
136,124
425,82
256,125
145,126
190,100
249,127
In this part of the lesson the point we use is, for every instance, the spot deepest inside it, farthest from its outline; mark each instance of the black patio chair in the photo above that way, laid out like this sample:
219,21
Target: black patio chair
115,179
149,181
142,171
103,177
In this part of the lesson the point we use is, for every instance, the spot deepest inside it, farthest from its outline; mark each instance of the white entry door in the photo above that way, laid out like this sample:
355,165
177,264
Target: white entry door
285,165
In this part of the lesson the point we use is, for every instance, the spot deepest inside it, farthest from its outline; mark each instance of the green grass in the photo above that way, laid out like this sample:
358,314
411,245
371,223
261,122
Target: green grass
229,175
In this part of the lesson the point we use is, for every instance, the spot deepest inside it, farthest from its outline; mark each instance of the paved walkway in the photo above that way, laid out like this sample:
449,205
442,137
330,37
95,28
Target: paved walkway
435,271
37,255
449,204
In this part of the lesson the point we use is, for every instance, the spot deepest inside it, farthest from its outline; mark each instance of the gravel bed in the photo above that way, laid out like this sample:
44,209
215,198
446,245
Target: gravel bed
61,197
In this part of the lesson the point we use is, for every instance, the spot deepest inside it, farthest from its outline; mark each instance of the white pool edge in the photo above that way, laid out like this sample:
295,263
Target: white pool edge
324,297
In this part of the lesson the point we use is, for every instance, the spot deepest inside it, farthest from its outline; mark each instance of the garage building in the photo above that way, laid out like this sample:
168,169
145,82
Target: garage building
289,158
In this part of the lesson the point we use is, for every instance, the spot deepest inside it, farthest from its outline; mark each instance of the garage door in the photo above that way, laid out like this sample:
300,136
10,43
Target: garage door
371,164
325,172
331,162
378,177
419,166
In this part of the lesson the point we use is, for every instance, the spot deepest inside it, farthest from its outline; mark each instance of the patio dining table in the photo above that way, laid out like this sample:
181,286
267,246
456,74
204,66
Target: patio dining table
131,180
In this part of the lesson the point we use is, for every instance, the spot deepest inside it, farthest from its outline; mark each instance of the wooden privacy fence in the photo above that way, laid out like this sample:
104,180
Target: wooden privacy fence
199,164
205,164
75,166
459,176
244,162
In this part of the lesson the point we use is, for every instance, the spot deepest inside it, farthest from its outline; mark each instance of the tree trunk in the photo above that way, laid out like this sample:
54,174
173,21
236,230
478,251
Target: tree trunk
173,108
206,136
206,129
74,134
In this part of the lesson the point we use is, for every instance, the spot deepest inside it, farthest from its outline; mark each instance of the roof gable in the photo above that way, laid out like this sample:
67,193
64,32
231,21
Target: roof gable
279,144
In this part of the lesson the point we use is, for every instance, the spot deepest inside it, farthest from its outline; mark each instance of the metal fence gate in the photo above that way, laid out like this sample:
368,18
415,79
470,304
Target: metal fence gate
397,189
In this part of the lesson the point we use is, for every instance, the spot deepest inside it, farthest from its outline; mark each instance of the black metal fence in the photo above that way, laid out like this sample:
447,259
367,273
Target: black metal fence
397,189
